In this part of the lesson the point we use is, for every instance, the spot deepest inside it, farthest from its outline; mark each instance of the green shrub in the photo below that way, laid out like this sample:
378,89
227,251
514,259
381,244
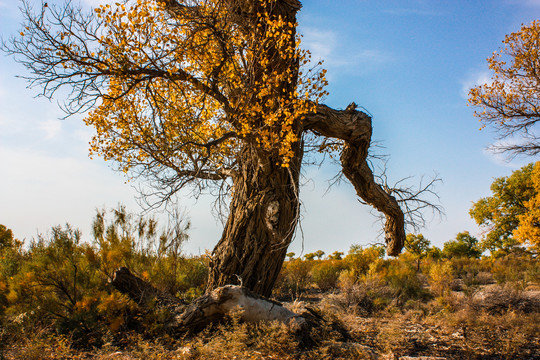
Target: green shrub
515,270
325,274
359,259
11,258
61,284
295,277
403,279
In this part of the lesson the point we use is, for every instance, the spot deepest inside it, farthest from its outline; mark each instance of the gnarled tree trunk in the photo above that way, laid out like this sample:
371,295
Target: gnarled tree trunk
355,128
264,205
263,215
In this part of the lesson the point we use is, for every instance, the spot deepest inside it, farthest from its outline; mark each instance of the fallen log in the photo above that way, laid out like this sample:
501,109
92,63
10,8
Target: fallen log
209,308
229,299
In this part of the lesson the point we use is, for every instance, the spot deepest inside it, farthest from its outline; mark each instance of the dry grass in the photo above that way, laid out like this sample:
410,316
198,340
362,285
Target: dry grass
495,323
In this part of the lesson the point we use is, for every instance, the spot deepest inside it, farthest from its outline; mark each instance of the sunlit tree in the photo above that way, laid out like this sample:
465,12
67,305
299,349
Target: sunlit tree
336,255
319,254
6,237
510,207
418,246
528,231
211,94
464,245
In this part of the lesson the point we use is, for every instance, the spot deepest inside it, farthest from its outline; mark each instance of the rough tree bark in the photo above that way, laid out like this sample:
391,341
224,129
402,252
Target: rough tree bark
263,215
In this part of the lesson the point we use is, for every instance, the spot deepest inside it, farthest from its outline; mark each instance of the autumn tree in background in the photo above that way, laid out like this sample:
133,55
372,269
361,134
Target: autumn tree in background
510,103
6,237
464,245
418,246
336,255
528,231
211,94
508,216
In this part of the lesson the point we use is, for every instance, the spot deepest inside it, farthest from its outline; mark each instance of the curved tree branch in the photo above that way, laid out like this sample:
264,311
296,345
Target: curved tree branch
354,128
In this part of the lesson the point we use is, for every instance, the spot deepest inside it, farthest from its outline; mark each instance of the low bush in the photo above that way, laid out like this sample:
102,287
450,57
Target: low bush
325,274
403,279
500,299
441,278
295,278
516,270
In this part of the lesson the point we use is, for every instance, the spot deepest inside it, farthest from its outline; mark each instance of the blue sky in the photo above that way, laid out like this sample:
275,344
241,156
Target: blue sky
409,63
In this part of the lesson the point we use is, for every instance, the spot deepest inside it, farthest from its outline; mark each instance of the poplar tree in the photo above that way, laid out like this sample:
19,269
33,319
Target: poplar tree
215,95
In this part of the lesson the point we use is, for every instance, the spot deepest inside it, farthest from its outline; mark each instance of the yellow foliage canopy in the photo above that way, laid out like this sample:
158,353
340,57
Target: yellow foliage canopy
186,88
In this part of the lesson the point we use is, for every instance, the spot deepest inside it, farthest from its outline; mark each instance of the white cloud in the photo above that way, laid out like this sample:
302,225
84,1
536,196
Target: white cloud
319,43
51,128
474,78
503,159
326,45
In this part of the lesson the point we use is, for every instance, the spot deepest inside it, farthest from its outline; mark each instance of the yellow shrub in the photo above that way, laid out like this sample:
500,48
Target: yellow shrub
441,277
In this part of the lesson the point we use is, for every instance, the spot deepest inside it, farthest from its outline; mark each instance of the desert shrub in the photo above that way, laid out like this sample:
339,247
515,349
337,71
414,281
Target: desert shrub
377,271
533,272
325,274
365,298
359,259
192,276
476,334
385,282
177,276
463,267
61,283
499,299
295,277
470,273
403,279
124,239
347,279
484,278
515,270
11,258
58,284
440,278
